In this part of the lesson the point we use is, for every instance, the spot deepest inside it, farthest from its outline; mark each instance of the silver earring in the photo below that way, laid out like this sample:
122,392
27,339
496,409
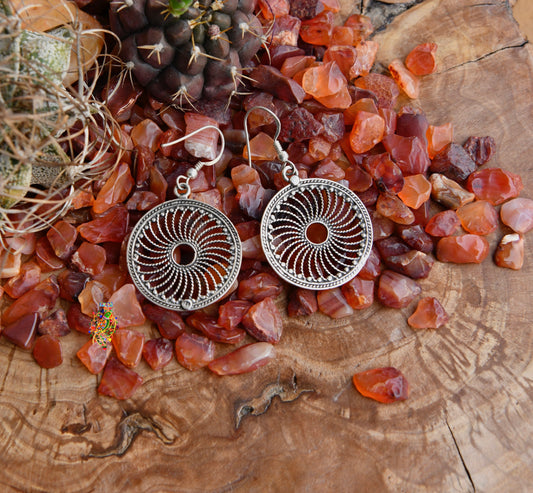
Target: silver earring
184,254
316,233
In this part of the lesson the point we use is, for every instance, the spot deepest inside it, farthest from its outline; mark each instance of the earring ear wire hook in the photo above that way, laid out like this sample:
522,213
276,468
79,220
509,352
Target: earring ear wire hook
290,172
182,184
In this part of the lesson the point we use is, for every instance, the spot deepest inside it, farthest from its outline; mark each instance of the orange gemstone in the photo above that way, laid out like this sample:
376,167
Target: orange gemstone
384,385
28,277
62,236
126,307
438,138
463,249
479,217
494,184
291,66
205,143
194,351
158,353
118,381
317,31
443,223
128,345
365,57
391,207
343,56
115,190
332,302
146,133
359,293
323,80
363,104
429,314
272,9
367,131
416,190
407,81
517,214
362,23
244,359
47,351
510,252
93,356
421,60
262,148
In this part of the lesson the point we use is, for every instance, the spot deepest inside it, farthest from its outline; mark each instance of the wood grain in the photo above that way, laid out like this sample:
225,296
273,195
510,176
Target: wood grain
298,424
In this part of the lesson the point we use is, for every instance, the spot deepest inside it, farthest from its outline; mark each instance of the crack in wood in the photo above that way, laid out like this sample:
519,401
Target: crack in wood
259,405
382,14
486,55
127,431
461,456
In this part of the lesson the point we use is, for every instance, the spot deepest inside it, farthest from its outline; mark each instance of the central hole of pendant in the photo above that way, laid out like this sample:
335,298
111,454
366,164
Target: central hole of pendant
317,233
183,254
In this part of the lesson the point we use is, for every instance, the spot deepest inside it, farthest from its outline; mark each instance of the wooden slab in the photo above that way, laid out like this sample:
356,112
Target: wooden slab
298,424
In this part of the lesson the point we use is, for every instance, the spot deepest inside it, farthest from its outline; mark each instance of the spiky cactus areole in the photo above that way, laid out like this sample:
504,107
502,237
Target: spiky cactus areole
182,51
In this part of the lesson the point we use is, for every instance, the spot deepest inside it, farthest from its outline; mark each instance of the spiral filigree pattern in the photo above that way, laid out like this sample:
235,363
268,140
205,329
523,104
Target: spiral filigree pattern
184,255
317,234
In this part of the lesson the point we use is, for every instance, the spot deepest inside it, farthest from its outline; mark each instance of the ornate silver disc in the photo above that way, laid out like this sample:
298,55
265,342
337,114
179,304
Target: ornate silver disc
184,255
317,234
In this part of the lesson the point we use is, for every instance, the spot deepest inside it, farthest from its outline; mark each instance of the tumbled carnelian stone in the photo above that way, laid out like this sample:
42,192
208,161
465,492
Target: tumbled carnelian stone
47,351
317,31
391,207
429,314
112,225
438,138
365,57
115,190
78,320
259,287
230,314
126,307
158,353
443,223
112,277
368,129
517,214
416,190
372,268
332,302
211,329
396,290
169,322
328,170
421,59
463,249
494,184
91,296
89,258
263,321
38,300
384,385
302,302
62,236
22,330
510,252
45,256
118,381
28,277
243,360
406,80
146,133
128,345
93,356
194,351
359,293
479,217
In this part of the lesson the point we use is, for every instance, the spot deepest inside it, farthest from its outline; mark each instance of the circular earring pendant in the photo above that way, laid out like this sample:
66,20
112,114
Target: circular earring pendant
184,255
316,234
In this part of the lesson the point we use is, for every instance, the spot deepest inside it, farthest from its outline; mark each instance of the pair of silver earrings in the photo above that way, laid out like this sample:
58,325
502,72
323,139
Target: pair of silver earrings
184,254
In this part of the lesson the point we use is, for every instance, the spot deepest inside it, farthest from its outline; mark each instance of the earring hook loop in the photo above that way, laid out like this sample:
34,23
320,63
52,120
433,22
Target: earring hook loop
290,172
182,187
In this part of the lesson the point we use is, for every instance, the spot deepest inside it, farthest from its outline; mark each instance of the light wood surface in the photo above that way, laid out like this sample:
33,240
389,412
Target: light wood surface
298,424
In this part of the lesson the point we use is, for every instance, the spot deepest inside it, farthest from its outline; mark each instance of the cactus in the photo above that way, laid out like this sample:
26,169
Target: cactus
182,50
42,124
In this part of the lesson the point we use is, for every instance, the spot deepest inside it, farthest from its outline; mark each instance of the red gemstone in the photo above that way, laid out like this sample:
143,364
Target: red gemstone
463,249
38,300
444,223
396,290
118,381
259,287
194,351
158,353
211,329
61,237
479,217
78,320
128,345
89,258
55,324
263,321
28,277
93,356
480,149
372,268
46,258
22,331
409,153
302,302
126,307
47,351
384,385
230,314
115,190
112,225
359,293
510,252
243,360
112,277
391,207
331,302
169,322
494,184
414,264
429,314
71,284
421,59
91,296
